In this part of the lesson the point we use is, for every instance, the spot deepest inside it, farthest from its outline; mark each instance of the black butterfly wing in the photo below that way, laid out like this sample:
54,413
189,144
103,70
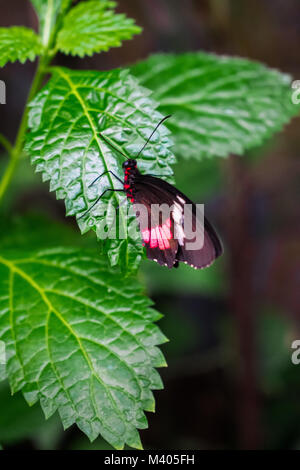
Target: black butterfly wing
151,190
209,251
157,229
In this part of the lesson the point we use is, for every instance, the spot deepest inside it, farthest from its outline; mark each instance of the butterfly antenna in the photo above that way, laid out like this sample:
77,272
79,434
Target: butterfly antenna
149,138
93,182
113,146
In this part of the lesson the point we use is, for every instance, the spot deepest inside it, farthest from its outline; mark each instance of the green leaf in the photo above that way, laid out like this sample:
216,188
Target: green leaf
220,105
81,339
66,119
18,43
48,12
92,27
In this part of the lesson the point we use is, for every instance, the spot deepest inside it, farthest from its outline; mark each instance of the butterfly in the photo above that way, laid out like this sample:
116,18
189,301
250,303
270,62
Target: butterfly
164,233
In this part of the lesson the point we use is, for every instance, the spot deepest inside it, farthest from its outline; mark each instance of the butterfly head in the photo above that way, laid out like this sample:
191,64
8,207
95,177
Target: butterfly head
129,164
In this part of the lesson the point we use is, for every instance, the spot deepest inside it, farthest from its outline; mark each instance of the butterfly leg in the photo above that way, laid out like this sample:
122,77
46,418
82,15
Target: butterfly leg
98,199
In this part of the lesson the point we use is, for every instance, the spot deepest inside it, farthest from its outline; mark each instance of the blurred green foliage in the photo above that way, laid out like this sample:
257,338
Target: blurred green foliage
20,422
198,314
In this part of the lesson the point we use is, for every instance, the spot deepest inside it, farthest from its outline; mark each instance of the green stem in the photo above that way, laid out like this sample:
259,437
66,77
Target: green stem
16,151
6,144
37,81
6,178
49,53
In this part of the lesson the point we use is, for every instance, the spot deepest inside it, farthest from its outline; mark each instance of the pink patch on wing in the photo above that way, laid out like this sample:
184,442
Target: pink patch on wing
153,239
167,232
167,244
166,241
165,237
146,235
160,238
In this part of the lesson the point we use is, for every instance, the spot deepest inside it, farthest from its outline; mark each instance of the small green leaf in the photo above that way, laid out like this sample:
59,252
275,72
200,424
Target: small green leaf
219,105
48,12
81,340
66,119
92,27
18,43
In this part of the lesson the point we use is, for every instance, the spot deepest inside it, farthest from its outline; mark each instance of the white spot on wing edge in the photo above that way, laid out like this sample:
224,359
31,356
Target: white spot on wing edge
181,199
177,212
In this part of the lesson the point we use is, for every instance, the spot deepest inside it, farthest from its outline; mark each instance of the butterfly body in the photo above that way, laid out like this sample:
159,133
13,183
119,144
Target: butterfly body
130,173
164,236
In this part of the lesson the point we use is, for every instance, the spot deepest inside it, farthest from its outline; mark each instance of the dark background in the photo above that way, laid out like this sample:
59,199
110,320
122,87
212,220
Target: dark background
230,381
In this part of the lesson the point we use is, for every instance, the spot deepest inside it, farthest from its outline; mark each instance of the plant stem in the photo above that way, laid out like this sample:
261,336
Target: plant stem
50,51
6,144
244,304
16,151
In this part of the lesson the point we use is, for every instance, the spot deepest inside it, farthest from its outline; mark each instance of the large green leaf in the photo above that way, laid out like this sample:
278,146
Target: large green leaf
66,119
18,43
93,26
48,12
220,105
80,339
